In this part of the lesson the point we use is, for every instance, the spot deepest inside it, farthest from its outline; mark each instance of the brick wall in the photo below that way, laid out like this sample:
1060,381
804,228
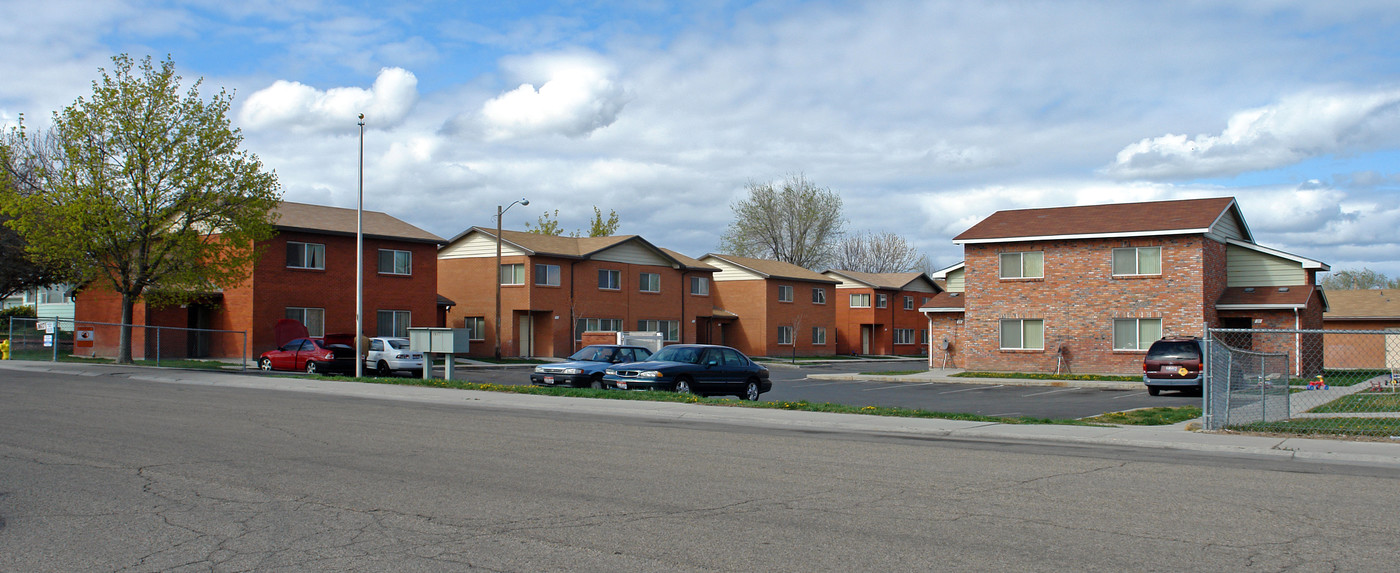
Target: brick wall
760,314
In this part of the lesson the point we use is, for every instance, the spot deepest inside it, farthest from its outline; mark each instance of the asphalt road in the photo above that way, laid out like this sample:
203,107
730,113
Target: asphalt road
793,384
107,473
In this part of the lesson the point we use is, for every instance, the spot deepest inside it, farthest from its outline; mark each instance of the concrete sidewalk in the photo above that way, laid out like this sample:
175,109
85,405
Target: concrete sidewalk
1386,454
946,376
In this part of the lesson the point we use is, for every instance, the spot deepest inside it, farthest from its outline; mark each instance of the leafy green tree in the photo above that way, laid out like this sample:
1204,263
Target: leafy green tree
600,227
548,224
18,270
145,189
794,221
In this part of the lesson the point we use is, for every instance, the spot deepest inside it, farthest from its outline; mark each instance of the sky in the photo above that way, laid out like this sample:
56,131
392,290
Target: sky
925,117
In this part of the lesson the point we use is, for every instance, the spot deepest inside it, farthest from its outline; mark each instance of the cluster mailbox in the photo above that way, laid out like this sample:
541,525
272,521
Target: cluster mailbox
430,341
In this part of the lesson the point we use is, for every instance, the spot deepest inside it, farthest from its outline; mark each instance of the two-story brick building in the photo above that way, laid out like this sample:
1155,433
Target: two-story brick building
878,313
553,289
1091,287
782,309
306,272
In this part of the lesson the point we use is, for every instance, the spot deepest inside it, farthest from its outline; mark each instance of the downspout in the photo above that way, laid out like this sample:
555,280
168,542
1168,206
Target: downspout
573,321
1297,344
683,295
929,317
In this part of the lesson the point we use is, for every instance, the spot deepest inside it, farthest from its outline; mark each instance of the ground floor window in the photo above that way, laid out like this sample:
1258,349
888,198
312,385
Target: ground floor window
785,335
476,327
903,336
1022,334
392,323
313,318
1135,333
818,335
596,325
670,329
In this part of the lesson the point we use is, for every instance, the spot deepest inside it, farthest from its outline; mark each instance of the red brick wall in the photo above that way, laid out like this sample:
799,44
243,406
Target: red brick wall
760,314
1359,350
946,325
1078,298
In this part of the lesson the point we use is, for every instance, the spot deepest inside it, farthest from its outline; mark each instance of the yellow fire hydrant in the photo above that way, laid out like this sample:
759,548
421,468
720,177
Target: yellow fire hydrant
5,349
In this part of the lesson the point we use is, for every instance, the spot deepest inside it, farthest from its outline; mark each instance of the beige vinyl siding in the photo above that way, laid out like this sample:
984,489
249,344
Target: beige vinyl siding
477,245
1228,227
632,254
957,280
1252,268
920,285
728,272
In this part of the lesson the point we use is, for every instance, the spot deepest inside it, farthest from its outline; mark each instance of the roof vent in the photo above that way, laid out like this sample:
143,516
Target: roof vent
1283,289
1248,289
953,294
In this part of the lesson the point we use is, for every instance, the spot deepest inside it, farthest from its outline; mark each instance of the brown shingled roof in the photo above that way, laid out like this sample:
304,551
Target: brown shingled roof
892,281
341,221
689,263
945,302
1265,297
774,269
1363,304
1117,219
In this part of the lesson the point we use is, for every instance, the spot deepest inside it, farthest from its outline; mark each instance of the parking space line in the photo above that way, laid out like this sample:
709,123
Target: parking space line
1005,414
898,386
1051,392
972,389
1129,395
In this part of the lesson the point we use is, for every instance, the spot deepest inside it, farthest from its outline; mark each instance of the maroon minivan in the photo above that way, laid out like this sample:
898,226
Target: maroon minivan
1174,363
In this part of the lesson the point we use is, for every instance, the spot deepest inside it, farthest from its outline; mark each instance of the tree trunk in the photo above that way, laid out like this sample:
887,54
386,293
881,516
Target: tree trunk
124,344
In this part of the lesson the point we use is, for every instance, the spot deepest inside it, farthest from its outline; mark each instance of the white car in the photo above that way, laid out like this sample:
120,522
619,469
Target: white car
389,355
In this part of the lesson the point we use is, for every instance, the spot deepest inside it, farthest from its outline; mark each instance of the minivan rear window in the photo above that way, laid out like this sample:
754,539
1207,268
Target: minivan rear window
1174,350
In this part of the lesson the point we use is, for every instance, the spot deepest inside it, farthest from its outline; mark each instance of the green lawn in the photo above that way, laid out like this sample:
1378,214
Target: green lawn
1149,416
1361,402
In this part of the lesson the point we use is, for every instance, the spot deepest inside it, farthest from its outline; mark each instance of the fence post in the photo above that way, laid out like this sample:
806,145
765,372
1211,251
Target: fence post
54,336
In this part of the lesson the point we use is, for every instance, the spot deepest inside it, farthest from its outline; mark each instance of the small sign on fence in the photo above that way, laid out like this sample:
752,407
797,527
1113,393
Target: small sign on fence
83,337
46,326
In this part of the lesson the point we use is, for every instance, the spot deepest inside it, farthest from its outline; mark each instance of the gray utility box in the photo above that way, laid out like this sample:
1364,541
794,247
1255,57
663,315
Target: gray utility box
439,340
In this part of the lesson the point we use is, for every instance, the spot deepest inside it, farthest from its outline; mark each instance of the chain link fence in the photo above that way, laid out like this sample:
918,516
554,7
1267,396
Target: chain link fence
1339,382
65,339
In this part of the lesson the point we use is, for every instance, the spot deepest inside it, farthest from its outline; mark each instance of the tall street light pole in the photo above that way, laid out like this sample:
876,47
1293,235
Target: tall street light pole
360,260
499,213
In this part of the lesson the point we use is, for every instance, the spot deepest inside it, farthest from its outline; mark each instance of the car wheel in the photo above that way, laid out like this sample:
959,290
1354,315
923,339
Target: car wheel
1153,391
417,373
597,382
750,391
265,364
311,367
683,385
383,369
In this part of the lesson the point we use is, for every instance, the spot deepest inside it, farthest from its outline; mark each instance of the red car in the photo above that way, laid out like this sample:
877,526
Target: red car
310,354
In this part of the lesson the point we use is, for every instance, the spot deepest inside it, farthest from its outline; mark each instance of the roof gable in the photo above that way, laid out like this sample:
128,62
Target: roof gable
340,221
762,269
1217,216
916,281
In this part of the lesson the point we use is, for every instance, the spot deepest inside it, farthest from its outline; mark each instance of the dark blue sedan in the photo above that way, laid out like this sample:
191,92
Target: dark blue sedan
701,369
585,367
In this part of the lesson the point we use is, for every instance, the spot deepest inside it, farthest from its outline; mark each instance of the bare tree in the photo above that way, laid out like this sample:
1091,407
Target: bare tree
883,252
793,221
1359,280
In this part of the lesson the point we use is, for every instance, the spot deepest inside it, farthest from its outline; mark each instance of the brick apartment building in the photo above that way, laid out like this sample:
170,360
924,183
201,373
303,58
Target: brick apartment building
553,289
782,309
878,313
1372,309
306,272
945,315
1094,286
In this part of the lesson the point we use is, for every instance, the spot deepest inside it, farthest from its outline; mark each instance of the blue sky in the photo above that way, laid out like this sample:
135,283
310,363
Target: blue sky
924,116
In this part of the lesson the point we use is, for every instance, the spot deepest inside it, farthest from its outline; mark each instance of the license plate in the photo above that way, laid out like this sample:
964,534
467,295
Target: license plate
548,379
622,385
1170,369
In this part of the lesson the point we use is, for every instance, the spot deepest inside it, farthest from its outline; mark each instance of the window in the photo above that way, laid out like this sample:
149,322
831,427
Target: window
392,323
476,327
596,325
700,286
1137,261
1135,333
306,255
923,336
785,335
908,303
818,296
882,300
1028,265
609,279
1022,334
650,282
670,329
393,262
860,300
547,275
784,293
513,274
313,318
903,336
818,335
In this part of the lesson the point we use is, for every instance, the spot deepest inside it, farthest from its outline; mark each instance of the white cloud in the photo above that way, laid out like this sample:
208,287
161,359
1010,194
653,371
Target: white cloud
1296,128
287,104
577,95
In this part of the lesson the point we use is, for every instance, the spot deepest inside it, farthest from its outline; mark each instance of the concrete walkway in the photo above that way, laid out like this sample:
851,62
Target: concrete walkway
1385,454
946,376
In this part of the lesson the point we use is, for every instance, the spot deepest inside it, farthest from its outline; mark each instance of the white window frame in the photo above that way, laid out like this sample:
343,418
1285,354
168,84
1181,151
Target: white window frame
476,327
904,336
700,286
303,314
670,329
317,258
1020,264
784,293
1020,325
860,300
516,272
652,280
583,325
1142,339
546,275
818,336
1137,269
784,336
400,321
400,262
908,303
609,279
818,295
882,300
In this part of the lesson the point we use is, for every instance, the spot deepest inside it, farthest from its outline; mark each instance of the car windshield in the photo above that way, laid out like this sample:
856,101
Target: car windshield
688,355
399,344
1174,350
594,354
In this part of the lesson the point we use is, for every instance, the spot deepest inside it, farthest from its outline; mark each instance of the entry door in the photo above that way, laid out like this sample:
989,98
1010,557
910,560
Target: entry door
1392,348
526,333
865,338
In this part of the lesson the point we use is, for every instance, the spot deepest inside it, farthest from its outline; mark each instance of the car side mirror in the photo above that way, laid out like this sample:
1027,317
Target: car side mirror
712,363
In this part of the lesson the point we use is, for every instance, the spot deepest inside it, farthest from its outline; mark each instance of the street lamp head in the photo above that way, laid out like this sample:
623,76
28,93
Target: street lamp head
524,201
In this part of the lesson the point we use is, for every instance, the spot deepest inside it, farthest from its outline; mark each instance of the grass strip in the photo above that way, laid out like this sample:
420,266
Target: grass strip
895,372
1365,401
1164,416
1376,427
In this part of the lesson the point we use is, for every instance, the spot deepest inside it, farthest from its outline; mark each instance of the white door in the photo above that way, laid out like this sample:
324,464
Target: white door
1392,348
865,339
526,332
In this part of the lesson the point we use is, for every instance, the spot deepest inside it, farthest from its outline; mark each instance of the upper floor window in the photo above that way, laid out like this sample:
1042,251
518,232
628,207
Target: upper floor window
1135,333
818,296
547,275
882,300
1027,265
1137,261
650,282
785,335
393,323
908,303
784,293
393,262
860,300
513,274
700,286
306,255
1022,334
313,318
609,279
